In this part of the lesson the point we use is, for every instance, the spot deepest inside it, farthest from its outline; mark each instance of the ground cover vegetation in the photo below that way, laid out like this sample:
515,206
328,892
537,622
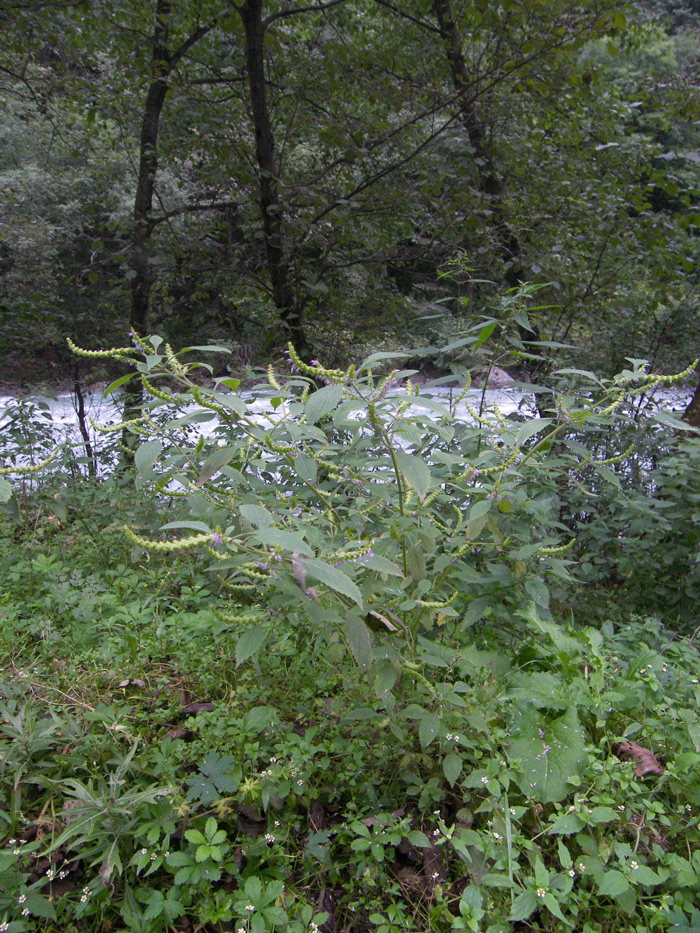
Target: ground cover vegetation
354,663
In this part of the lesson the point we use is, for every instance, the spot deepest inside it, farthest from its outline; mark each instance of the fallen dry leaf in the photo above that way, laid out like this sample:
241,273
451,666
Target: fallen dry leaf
647,763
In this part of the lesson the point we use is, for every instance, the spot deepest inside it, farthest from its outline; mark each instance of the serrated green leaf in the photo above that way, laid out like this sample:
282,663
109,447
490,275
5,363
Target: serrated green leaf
250,643
146,456
549,754
415,564
612,884
275,537
359,640
479,509
452,768
523,906
322,402
333,578
306,468
419,839
257,515
415,471
215,462
40,907
428,728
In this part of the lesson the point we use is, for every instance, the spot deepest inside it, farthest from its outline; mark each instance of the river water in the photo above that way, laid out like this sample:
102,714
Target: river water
32,426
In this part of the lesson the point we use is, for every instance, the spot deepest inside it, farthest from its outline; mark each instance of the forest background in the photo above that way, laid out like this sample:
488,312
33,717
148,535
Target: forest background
251,172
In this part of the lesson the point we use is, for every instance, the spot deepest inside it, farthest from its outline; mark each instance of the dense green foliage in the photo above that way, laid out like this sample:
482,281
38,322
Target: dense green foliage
340,667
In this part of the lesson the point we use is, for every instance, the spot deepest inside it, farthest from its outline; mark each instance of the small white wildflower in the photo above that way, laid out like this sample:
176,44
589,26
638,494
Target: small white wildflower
572,809
86,890
485,779
581,867
11,842
25,912
621,808
3,926
16,851
153,856
277,822
249,908
22,898
513,811
313,927
269,837
541,892
572,873
144,851
689,808
300,783
634,866
83,898
167,854
50,872
449,736
504,764
273,760
496,836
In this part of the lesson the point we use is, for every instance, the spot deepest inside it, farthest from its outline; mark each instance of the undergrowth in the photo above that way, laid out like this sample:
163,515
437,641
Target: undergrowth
293,724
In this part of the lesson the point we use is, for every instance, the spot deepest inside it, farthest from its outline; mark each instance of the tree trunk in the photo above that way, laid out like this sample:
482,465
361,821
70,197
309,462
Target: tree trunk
490,181
692,412
270,205
141,281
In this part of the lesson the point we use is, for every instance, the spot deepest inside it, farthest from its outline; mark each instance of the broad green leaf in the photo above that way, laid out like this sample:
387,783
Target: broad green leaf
416,472
566,824
452,768
146,456
206,348
358,638
612,884
213,464
39,906
194,417
188,526
332,577
257,515
415,563
5,490
524,905
385,678
306,468
603,815
484,334
250,643
379,358
428,728
231,401
382,565
117,384
549,754
419,839
531,427
322,402
479,509
275,537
